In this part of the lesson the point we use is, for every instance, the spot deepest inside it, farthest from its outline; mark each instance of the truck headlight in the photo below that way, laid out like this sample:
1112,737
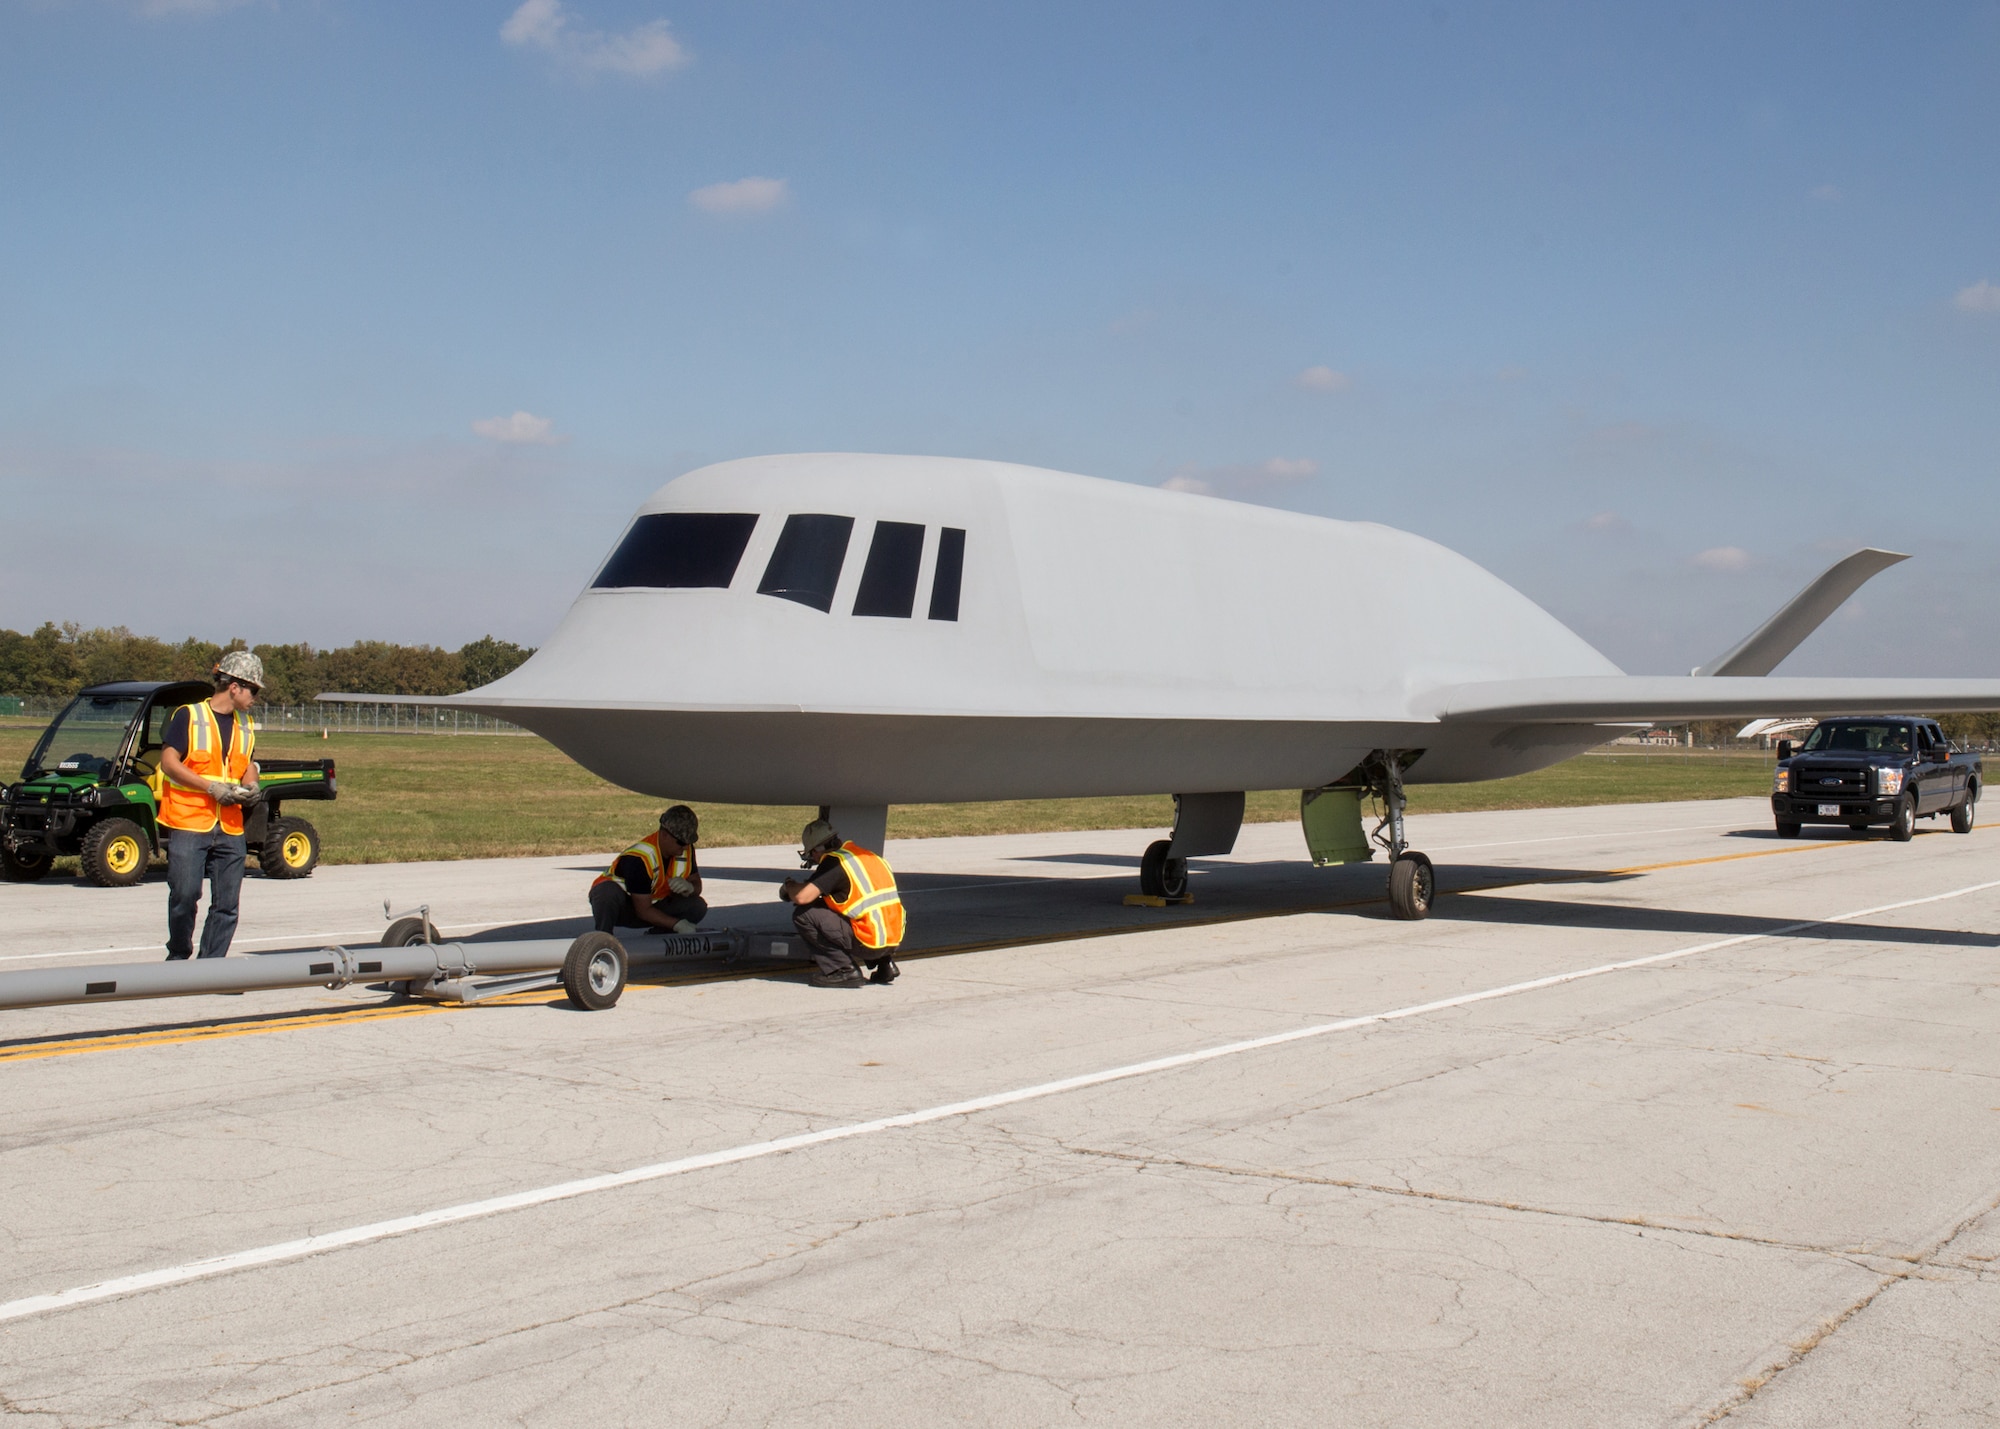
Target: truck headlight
1888,781
1781,780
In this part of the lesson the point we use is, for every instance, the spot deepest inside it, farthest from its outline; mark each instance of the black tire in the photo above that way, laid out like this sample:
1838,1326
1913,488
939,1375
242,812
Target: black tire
1903,827
1788,829
18,867
1412,885
593,973
1160,876
403,933
1962,811
291,849
115,853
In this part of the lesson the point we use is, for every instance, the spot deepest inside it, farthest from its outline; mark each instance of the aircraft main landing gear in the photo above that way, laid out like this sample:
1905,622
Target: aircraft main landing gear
1412,880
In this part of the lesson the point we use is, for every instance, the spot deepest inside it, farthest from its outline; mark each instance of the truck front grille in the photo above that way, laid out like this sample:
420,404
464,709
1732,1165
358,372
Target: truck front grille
1833,784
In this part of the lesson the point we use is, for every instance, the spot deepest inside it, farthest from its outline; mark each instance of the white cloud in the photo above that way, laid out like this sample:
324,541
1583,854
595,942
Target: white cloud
1280,468
751,195
1323,379
1827,193
1981,297
1723,558
644,51
1185,481
521,429
1607,521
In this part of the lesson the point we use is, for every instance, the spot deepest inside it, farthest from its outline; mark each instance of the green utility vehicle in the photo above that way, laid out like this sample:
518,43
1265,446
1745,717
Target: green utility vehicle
92,788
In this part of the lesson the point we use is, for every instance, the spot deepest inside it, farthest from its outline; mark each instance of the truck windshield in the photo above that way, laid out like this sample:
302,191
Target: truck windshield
86,737
1859,737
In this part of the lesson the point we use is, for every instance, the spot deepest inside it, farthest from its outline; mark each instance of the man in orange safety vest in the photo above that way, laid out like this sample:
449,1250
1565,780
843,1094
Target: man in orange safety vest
848,911
207,778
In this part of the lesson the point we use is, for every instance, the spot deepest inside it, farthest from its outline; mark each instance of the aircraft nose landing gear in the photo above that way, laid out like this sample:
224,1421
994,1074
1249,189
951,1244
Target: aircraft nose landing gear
1412,880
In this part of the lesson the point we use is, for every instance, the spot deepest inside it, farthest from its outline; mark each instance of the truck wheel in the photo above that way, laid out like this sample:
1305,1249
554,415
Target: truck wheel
1788,830
1961,812
1412,883
593,974
291,849
17,867
1903,827
115,853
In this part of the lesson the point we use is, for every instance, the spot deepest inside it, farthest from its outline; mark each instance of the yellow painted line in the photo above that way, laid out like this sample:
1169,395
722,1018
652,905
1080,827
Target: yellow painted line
40,1049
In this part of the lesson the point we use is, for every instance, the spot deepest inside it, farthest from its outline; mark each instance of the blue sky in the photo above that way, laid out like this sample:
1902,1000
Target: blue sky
1651,310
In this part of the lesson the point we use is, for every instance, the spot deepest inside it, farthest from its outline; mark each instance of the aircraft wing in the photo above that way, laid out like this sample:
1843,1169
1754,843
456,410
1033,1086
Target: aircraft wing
1607,699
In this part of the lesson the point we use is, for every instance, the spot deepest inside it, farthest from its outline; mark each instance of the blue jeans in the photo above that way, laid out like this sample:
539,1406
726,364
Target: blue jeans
218,858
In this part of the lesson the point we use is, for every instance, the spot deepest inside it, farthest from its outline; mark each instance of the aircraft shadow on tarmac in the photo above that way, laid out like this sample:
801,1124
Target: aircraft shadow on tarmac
1498,909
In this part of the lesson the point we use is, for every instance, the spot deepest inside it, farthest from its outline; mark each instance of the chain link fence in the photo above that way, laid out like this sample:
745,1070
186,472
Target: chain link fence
327,717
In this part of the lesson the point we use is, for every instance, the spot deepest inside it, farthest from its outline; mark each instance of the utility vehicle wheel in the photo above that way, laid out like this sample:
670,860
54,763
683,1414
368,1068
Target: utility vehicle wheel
1961,812
1787,829
115,853
403,933
1160,876
291,849
24,867
594,972
1412,883
1904,826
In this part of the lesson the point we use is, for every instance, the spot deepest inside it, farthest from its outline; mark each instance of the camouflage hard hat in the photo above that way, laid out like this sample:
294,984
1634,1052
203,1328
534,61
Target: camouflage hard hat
242,665
818,834
681,824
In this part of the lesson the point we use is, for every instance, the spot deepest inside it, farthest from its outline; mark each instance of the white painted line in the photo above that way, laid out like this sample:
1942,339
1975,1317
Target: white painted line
565,1190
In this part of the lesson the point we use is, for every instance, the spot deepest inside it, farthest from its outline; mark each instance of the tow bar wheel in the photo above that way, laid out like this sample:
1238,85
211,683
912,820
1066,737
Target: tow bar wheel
593,974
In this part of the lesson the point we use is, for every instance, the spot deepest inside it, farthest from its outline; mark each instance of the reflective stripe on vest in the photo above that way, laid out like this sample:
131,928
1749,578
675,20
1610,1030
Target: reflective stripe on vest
192,810
658,868
872,904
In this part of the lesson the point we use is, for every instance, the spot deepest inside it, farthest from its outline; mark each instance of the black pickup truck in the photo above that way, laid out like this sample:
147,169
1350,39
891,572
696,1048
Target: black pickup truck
1874,770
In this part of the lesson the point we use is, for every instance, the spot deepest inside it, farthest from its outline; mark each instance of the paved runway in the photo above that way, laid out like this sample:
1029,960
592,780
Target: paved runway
1657,1121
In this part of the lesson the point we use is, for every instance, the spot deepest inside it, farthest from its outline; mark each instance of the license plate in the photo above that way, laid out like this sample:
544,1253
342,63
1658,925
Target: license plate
1829,811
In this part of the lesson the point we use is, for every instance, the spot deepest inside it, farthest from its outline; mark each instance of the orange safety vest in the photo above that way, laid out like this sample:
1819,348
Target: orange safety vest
192,810
872,904
658,867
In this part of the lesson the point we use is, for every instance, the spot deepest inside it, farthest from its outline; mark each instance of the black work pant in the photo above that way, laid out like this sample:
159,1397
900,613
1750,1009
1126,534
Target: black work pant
830,939
611,908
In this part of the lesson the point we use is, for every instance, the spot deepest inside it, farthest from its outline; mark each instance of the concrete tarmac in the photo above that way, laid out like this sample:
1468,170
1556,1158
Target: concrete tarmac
1670,1122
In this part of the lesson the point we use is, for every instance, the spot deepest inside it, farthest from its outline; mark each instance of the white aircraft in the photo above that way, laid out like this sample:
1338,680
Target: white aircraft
857,631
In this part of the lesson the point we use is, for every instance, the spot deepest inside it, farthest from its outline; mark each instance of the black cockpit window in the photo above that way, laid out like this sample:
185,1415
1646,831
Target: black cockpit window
950,572
889,580
679,549
805,567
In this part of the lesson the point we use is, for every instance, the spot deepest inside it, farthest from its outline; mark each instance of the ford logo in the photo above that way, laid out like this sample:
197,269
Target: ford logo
1830,781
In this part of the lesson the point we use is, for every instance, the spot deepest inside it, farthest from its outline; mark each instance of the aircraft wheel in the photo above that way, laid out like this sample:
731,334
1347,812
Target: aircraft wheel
1160,876
1961,813
594,972
1787,830
1412,884
1904,827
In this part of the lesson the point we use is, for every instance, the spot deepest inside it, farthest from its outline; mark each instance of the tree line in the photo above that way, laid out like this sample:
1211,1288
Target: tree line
55,661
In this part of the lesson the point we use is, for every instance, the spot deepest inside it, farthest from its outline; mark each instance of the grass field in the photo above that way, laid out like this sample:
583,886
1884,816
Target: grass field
486,796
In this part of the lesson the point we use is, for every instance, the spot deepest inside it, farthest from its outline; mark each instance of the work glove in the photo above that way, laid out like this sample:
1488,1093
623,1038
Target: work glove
680,886
222,791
